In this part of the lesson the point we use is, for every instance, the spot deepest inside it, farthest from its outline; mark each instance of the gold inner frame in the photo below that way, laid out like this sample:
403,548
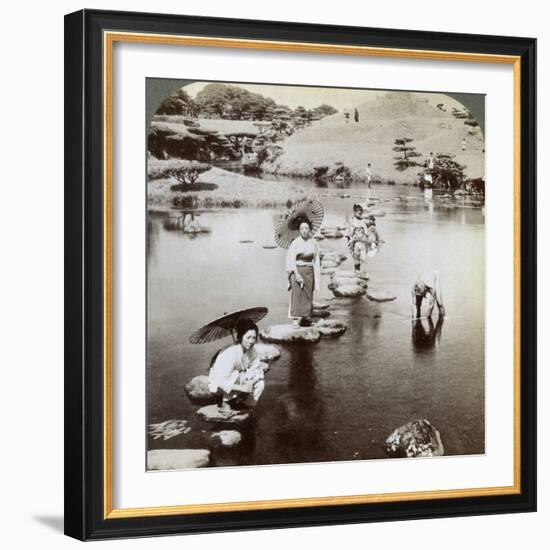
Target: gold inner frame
109,39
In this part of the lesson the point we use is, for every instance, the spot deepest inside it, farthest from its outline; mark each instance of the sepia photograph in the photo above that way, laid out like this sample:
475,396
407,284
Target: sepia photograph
315,274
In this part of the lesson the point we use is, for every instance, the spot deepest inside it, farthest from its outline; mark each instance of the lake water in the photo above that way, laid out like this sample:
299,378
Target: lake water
337,399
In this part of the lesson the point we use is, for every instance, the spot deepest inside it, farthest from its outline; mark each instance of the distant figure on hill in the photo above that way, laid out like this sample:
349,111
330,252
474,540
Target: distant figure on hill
464,144
356,115
430,163
368,175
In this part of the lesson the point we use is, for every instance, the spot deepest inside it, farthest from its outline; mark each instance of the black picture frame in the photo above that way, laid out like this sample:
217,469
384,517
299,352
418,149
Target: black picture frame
85,493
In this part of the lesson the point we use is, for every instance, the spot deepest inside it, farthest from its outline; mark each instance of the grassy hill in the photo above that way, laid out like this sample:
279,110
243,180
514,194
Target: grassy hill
381,121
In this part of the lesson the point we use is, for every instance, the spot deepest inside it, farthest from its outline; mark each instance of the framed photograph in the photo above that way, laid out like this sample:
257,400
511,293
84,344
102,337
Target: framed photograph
300,274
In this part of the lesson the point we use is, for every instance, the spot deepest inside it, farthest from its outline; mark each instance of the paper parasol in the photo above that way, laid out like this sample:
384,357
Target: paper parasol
225,325
286,229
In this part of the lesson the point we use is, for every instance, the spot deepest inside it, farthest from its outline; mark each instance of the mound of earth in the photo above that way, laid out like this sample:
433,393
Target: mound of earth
392,116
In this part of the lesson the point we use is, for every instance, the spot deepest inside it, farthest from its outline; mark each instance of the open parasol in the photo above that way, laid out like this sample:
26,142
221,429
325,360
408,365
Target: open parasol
286,229
225,325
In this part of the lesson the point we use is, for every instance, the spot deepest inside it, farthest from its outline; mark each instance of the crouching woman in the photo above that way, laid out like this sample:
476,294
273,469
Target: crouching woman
237,374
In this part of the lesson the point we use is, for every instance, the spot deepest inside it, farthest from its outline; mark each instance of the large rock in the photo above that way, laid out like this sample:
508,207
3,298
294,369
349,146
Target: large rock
379,295
213,413
177,459
197,390
417,438
332,328
226,438
290,334
349,291
267,352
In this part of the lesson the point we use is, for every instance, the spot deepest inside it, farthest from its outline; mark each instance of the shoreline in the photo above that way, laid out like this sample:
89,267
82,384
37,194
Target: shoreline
234,190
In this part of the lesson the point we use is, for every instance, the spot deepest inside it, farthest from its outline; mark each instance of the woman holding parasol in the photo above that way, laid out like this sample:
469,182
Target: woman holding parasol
236,373
295,231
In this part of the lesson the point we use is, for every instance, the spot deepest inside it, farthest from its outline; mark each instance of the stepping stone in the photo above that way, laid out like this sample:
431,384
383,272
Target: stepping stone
267,352
290,334
351,273
377,295
338,281
195,227
329,262
375,213
328,271
334,235
320,313
177,459
331,329
198,392
226,438
213,413
417,438
320,305
349,291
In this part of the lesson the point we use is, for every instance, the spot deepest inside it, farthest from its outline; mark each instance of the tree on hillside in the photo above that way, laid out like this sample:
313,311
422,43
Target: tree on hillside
325,110
187,140
188,172
446,173
178,103
213,99
233,102
461,113
402,145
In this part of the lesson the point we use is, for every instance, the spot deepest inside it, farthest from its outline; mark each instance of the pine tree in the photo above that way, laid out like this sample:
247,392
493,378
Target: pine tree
408,151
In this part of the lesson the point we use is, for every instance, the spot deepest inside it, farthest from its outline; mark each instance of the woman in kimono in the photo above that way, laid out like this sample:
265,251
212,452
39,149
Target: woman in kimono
237,375
356,236
304,273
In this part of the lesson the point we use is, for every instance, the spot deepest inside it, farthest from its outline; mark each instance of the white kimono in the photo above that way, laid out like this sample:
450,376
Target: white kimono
234,366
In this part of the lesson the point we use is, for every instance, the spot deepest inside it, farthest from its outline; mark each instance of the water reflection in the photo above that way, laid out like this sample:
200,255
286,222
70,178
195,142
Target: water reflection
301,428
302,404
425,335
329,400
